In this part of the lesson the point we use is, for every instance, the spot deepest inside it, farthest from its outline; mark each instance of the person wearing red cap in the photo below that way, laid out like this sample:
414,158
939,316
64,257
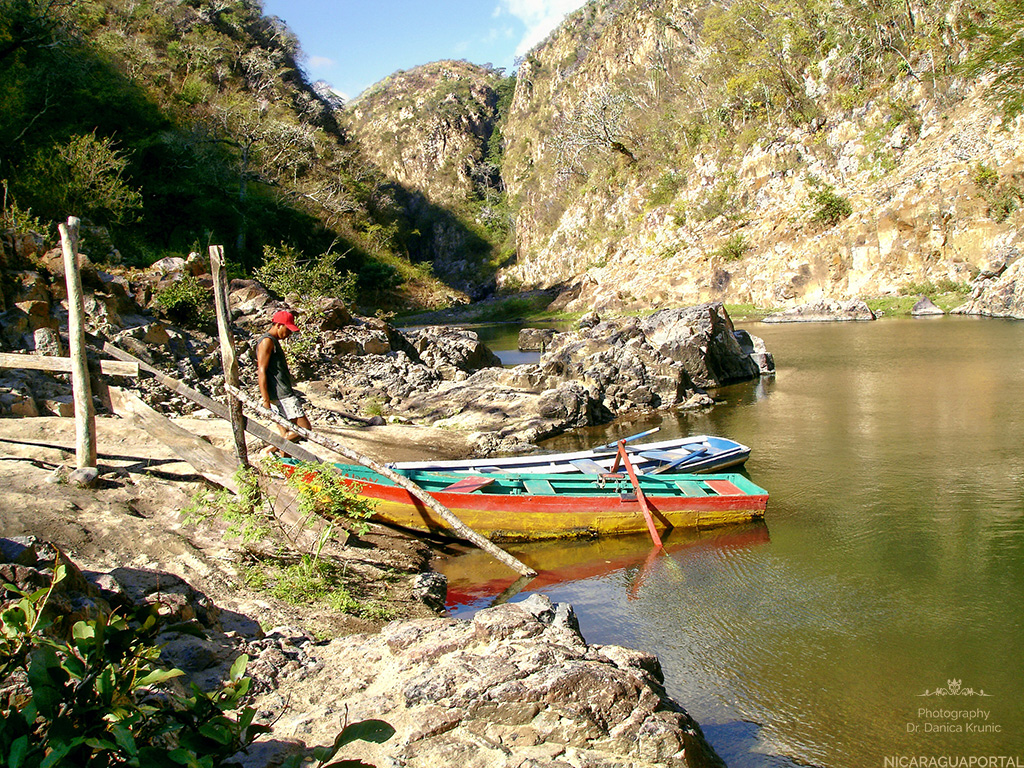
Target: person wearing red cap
275,380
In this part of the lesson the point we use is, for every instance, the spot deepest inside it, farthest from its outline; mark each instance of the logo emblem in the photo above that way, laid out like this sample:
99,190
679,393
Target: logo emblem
954,688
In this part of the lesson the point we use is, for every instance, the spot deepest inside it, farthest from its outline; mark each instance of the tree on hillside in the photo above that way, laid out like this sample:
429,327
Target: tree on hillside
599,122
1000,50
86,177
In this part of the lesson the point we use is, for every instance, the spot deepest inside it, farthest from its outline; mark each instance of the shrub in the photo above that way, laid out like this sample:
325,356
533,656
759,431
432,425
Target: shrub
828,207
100,698
86,176
733,248
665,188
322,491
985,176
186,302
285,273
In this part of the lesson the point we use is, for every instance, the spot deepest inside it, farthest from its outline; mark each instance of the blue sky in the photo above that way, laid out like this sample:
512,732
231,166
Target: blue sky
354,43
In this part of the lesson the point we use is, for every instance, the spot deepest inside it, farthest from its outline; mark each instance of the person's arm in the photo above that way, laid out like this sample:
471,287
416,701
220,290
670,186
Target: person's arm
263,352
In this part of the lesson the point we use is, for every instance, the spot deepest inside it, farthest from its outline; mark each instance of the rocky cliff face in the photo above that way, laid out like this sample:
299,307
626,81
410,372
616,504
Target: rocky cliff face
428,129
696,194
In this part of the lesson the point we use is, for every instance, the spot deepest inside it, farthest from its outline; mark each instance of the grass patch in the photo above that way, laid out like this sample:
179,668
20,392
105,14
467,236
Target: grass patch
900,306
512,308
312,580
748,311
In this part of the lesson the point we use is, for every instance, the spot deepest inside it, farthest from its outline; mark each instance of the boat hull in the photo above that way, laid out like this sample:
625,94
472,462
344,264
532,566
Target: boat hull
523,517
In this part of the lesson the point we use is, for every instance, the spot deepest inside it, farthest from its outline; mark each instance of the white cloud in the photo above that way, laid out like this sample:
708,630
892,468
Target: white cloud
320,62
539,17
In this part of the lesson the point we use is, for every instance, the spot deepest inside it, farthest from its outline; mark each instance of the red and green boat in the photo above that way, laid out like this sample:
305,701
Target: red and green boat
526,506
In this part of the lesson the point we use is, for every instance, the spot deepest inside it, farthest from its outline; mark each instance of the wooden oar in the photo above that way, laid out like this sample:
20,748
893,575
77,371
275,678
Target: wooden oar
629,439
442,511
631,471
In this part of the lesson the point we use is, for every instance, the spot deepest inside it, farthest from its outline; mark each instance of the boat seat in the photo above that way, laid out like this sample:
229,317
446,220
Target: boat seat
691,488
678,462
588,466
468,484
663,455
538,487
725,488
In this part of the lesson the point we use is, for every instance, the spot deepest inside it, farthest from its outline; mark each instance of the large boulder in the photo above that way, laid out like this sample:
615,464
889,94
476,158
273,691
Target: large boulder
594,373
619,365
704,340
1000,295
517,685
453,352
925,307
535,339
824,312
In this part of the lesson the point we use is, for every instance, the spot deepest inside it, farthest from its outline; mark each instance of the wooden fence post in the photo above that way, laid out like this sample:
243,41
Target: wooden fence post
85,415
227,351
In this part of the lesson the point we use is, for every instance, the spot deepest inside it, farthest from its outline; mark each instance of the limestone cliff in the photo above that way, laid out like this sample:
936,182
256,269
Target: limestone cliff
653,165
428,129
672,152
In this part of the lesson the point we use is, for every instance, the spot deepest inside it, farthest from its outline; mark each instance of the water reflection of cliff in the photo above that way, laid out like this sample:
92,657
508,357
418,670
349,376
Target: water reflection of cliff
476,580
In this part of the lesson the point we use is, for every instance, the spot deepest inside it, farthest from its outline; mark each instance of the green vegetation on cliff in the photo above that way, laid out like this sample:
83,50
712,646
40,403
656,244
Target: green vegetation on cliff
173,124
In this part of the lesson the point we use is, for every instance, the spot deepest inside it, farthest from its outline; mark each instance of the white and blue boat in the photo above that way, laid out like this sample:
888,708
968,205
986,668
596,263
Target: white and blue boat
690,455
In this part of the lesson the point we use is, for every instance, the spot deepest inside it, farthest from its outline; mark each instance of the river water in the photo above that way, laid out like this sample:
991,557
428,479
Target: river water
878,614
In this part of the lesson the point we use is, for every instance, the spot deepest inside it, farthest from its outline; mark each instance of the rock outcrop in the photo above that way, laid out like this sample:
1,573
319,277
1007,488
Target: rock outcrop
925,307
517,685
823,312
926,164
442,376
596,372
999,294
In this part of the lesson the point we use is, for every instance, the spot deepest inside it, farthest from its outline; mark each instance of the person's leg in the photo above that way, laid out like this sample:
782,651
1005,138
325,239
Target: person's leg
291,409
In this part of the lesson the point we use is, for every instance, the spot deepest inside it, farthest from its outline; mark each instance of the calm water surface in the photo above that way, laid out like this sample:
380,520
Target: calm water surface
885,592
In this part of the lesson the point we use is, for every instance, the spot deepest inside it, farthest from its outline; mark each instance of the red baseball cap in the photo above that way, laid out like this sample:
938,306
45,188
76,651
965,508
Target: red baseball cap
285,318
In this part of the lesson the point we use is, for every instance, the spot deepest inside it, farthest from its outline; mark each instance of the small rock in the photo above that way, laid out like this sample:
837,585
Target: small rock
431,588
925,307
59,476
84,477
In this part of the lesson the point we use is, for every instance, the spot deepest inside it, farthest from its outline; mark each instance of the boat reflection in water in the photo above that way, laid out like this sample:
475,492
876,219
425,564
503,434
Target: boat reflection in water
476,580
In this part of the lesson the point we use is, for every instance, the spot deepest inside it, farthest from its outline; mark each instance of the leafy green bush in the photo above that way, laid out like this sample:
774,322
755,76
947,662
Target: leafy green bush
665,188
828,207
86,176
378,276
985,176
14,217
322,491
1003,197
101,698
286,273
186,301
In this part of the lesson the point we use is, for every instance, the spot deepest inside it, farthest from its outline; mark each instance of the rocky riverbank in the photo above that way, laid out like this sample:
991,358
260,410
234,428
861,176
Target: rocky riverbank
517,685
350,365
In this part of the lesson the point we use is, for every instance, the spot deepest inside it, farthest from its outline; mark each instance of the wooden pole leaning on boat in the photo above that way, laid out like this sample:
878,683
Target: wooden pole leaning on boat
640,497
442,511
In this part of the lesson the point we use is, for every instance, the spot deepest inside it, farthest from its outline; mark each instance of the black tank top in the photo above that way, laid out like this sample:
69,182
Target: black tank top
279,380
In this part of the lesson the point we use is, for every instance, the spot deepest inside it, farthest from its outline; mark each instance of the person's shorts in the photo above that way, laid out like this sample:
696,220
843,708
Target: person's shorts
289,407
